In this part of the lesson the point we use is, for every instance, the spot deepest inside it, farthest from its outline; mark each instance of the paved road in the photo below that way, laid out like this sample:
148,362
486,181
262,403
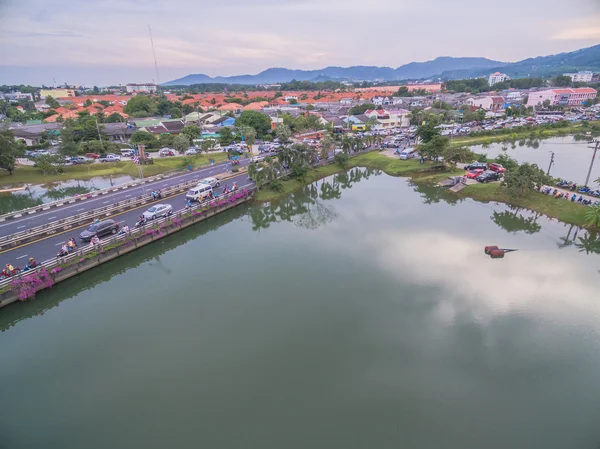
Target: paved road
47,248
69,210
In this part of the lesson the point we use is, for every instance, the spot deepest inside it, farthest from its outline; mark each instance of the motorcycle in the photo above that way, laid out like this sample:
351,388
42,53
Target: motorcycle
6,274
141,222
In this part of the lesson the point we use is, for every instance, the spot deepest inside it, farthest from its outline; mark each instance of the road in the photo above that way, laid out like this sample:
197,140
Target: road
69,210
47,248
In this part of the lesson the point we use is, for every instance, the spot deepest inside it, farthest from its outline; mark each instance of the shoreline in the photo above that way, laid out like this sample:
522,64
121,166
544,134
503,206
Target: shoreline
431,174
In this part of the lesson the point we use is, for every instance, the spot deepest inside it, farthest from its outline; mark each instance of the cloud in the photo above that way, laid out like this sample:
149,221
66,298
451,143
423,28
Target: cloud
571,34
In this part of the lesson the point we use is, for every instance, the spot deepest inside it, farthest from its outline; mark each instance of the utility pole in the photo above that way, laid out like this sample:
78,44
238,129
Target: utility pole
551,163
98,128
596,148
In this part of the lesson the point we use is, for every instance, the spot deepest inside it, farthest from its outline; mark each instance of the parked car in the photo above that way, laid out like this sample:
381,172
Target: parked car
476,165
257,158
92,155
81,160
497,168
101,229
213,182
191,151
127,153
489,176
158,210
110,158
473,174
166,152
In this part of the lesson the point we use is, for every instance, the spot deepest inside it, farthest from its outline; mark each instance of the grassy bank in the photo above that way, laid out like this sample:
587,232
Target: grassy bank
31,175
539,132
427,174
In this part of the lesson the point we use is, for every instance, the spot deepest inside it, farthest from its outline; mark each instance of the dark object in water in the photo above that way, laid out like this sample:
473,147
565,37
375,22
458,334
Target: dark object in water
497,253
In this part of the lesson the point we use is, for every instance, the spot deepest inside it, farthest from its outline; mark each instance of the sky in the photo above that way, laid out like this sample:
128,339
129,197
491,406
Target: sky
108,42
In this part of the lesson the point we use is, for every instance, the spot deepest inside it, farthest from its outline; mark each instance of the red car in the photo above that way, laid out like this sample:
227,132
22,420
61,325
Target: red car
92,155
497,168
474,173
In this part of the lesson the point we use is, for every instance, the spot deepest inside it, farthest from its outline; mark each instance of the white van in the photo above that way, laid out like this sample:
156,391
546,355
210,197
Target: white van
408,153
127,153
199,193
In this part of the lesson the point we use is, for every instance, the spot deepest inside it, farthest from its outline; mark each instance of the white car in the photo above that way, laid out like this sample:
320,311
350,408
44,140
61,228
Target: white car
110,158
191,151
158,210
213,182
257,158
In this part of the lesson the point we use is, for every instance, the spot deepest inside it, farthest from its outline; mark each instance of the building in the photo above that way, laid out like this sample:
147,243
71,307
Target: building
346,101
561,97
497,78
148,87
581,77
490,103
16,96
56,93
224,120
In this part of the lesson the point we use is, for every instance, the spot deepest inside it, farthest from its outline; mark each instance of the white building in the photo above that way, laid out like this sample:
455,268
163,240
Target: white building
581,77
290,97
16,96
149,87
497,78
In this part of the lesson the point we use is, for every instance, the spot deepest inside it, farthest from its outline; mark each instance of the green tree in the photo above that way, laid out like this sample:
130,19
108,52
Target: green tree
87,103
181,143
293,101
165,140
51,101
9,151
207,145
67,147
562,81
226,136
436,147
144,138
115,117
261,123
361,108
427,131
175,112
249,135
524,179
453,154
49,164
140,103
592,217
192,131
283,133
341,159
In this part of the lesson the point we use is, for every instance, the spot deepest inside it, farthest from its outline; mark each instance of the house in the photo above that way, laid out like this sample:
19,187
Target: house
225,120
513,96
389,118
562,97
386,101
276,122
118,132
173,126
581,77
489,103
148,87
56,93
497,78
290,97
346,101
32,134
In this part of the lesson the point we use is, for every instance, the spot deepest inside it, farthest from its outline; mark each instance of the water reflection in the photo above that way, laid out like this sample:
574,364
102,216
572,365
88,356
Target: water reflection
305,207
36,194
513,221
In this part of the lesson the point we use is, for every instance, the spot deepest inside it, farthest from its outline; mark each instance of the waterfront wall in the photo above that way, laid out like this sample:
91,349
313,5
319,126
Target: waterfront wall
27,284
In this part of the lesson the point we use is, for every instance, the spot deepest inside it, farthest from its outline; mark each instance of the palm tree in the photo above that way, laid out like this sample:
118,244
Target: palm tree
590,244
592,217
346,144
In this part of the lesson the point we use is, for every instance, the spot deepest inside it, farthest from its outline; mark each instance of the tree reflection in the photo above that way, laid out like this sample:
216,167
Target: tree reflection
515,222
11,202
307,207
590,243
66,192
432,194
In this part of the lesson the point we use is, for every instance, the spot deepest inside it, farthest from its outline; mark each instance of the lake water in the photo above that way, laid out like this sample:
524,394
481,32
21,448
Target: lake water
360,312
36,194
571,157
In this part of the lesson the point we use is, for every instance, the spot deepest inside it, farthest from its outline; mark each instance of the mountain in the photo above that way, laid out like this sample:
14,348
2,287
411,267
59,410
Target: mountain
445,67
414,70
542,66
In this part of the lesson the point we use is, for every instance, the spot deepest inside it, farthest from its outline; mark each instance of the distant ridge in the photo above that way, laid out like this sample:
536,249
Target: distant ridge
445,67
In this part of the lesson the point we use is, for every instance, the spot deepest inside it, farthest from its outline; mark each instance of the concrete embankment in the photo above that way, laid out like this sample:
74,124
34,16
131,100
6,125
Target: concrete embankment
26,285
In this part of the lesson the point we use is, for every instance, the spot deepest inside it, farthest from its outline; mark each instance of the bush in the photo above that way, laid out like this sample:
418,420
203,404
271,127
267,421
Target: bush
276,185
482,157
235,170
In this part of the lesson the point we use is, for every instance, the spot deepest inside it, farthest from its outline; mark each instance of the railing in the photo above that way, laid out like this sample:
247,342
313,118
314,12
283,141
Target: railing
26,236
81,252
95,193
